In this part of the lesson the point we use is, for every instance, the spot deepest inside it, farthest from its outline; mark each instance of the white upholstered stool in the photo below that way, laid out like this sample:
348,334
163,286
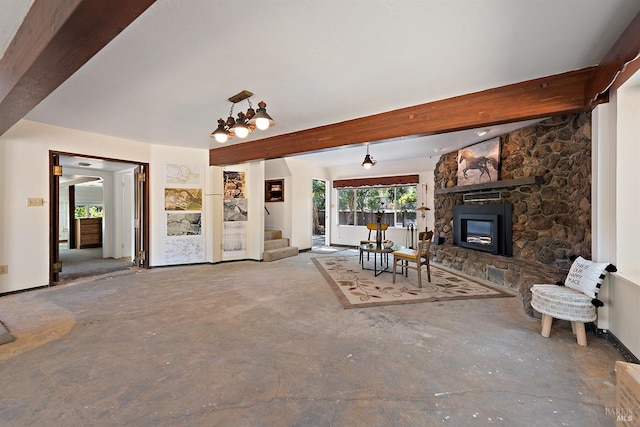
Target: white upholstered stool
564,303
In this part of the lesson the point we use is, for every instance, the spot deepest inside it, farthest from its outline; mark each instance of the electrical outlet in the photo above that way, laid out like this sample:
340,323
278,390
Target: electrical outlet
31,201
4,269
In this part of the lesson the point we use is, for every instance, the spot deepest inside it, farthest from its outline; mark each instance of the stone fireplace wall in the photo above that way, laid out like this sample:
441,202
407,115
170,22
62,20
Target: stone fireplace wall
551,220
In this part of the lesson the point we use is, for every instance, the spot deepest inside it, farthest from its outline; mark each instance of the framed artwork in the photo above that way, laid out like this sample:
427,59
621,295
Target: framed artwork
235,209
479,163
184,224
183,199
234,185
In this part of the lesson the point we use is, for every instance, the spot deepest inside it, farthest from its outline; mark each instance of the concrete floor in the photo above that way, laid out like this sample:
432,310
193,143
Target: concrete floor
267,344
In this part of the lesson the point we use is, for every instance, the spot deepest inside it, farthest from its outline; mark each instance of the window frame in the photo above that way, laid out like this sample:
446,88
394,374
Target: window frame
401,217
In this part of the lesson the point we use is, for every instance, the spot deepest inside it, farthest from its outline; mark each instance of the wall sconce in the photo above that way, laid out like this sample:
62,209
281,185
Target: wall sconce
368,161
245,123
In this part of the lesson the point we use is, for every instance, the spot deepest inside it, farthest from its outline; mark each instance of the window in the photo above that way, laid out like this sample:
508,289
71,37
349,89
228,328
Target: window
359,206
88,211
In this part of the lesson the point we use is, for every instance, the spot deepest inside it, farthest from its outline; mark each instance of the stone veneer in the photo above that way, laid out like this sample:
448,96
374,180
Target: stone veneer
551,220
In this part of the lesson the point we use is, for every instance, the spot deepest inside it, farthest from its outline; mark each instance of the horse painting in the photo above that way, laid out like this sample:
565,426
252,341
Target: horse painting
480,163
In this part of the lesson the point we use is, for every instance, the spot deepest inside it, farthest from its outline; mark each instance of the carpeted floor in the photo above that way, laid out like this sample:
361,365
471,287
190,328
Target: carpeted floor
77,263
357,287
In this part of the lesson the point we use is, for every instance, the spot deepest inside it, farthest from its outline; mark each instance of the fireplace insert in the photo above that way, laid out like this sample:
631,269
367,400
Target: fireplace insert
486,228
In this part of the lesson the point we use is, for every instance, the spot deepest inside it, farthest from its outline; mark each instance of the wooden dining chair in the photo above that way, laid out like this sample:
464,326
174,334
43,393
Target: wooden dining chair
419,257
373,227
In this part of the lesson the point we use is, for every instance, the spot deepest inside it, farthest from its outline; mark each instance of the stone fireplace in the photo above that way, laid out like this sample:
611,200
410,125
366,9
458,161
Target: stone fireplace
545,177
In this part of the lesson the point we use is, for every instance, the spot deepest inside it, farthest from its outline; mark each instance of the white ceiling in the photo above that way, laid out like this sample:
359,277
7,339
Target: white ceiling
166,78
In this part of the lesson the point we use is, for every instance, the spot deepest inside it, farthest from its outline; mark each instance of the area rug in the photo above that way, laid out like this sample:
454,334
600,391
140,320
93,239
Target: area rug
358,288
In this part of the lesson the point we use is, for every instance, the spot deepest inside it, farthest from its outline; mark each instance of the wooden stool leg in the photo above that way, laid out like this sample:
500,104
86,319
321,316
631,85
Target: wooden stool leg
546,325
580,333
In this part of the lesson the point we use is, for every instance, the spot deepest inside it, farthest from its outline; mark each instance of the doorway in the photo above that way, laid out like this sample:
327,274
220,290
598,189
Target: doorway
99,216
319,214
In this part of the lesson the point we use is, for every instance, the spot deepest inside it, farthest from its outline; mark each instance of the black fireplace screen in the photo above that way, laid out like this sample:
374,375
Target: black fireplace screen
479,232
484,228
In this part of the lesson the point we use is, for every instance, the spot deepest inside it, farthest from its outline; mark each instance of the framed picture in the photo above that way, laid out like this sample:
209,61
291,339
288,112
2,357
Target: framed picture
479,163
234,185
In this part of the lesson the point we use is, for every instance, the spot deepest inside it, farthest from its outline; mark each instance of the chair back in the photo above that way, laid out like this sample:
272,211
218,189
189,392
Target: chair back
424,246
373,226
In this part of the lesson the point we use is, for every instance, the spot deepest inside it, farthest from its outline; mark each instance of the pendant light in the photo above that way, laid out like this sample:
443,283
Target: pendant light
368,161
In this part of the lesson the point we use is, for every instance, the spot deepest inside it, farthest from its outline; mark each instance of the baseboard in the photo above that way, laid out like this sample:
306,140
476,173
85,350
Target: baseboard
19,291
617,344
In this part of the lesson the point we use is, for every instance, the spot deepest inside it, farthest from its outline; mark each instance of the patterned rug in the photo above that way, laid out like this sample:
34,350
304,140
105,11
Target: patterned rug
356,288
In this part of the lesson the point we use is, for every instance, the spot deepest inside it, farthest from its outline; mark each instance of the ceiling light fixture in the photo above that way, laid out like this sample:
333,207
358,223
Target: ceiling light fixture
482,132
245,123
368,161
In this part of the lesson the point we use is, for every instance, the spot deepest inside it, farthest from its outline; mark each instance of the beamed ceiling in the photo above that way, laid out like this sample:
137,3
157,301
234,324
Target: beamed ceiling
401,74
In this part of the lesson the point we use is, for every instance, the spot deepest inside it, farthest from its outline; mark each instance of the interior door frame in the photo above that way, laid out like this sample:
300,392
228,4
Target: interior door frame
54,210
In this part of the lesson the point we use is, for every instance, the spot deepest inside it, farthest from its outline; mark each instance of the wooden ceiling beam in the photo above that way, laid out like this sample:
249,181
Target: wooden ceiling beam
532,99
56,38
618,65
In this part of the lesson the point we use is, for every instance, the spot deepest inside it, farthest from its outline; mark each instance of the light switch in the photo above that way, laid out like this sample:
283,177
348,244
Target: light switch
35,201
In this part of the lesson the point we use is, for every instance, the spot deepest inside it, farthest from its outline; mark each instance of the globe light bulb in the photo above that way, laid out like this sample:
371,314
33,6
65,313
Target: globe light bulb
262,123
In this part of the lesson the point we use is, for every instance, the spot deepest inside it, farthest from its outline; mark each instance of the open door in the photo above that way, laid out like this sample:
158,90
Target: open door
318,203
55,171
138,209
141,202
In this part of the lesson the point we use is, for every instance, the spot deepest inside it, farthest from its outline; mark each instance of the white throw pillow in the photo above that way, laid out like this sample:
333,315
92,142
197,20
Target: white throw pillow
586,276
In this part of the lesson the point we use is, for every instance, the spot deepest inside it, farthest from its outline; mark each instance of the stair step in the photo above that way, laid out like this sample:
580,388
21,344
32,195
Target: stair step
272,234
275,244
274,254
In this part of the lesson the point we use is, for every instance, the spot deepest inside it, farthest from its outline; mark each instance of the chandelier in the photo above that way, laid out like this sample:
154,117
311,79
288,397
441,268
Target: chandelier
245,123
368,161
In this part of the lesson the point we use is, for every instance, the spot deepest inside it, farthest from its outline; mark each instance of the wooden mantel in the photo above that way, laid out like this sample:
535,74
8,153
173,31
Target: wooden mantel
506,183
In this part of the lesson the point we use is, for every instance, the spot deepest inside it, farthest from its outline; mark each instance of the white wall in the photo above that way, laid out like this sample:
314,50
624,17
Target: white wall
424,167
616,209
93,195
24,173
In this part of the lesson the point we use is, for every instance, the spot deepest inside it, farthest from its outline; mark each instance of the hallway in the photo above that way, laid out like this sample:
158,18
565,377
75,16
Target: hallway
79,263
267,344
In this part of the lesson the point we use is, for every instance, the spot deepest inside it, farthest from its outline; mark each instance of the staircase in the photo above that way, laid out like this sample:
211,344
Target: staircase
275,247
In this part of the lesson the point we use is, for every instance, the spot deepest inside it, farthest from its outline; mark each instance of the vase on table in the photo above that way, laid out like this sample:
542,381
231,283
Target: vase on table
379,235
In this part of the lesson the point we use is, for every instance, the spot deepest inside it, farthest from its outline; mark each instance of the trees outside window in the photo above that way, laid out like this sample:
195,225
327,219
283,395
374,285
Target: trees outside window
88,211
359,206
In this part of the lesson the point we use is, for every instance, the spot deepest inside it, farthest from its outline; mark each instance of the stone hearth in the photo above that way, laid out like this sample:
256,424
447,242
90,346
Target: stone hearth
512,273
